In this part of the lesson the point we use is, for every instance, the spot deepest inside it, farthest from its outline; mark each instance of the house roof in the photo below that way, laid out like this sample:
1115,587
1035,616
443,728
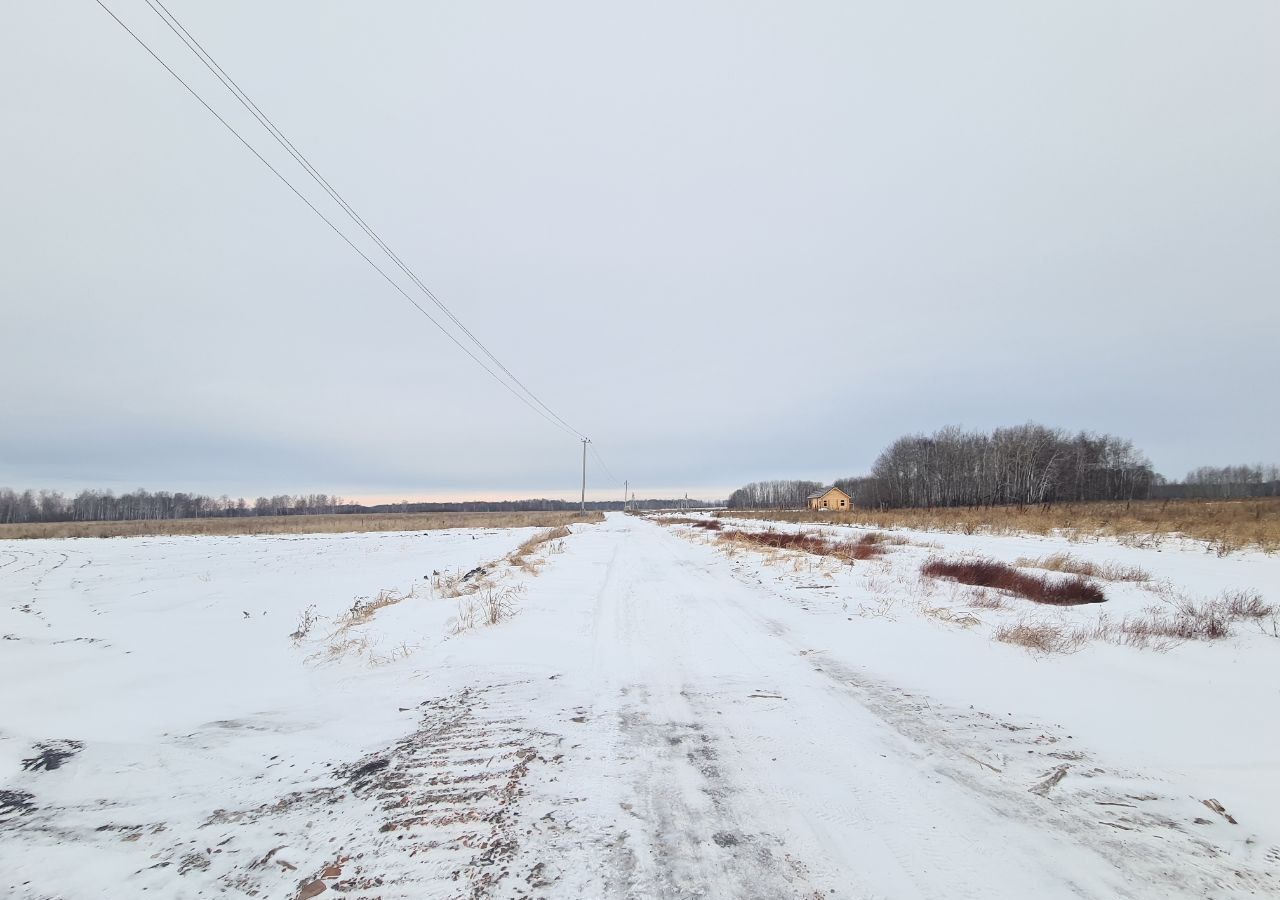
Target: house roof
824,491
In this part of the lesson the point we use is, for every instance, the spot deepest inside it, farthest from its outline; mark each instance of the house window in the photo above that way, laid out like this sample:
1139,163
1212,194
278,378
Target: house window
824,504
842,503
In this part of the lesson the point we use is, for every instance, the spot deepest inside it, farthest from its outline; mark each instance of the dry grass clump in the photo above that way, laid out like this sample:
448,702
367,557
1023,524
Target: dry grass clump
988,573
339,647
1246,605
487,607
881,539
1185,619
866,547
365,608
328,524
307,621
863,548
1226,525
1065,562
953,616
480,600
1158,628
1041,637
339,641
708,524
401,651
984,599
451,583
523,556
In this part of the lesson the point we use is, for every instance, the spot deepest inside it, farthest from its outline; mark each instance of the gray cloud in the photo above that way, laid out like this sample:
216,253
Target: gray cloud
727,241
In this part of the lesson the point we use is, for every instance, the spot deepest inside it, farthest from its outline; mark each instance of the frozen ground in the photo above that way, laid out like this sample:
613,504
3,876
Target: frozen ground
659,719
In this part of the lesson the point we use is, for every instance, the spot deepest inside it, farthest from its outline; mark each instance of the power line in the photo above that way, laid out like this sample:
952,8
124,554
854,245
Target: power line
194,45
600,459
559,424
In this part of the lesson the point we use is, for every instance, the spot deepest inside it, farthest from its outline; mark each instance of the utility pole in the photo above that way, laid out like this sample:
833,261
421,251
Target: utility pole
625,485
585,441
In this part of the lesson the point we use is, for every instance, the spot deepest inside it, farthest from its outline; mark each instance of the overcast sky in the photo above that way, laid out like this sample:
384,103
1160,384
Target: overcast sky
729,241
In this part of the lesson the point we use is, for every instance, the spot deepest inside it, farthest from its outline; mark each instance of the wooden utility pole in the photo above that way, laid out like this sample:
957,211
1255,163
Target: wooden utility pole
625,485
584,473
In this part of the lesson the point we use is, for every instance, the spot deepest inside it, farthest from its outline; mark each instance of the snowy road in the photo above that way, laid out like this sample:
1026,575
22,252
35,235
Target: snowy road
760,767
659,720
754,764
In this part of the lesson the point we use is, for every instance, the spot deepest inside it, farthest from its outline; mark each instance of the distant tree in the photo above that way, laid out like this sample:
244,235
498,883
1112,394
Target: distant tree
1226,482
95,505
772,495
1019,465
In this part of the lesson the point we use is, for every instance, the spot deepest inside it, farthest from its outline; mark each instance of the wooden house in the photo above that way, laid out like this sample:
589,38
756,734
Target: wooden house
830,498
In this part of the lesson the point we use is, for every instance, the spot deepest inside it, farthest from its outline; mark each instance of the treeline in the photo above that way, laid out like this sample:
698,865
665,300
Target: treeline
106,506
772,495
540,505
1025,464
1224,482
1022,465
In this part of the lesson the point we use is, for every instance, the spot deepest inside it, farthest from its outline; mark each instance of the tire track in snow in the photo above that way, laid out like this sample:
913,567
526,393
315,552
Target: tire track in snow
439,812
49,571
698,844
26,558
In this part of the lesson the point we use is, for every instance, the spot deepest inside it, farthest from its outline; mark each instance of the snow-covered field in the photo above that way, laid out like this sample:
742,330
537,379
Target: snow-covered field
660,718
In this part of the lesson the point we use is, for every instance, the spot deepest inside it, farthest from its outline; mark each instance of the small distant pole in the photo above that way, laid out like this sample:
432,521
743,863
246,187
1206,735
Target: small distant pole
625,485
584,473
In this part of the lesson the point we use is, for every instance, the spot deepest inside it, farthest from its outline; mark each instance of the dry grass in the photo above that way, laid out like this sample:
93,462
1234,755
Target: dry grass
1184,619
1041,637
953,616
481,601
865,547
298,524
708,524
402,651
988,573
338,648
340,640
1158,628
460,583
1226,525
1245,605
551,540
491,606
984,599
1073,565
365,608
307,621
